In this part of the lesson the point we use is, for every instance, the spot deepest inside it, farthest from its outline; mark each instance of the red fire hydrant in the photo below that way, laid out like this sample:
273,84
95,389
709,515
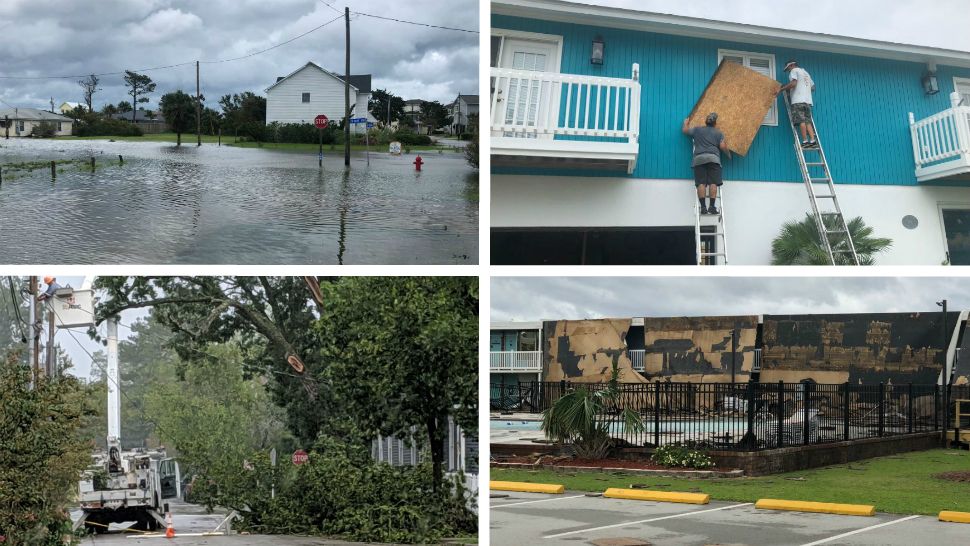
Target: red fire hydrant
417,163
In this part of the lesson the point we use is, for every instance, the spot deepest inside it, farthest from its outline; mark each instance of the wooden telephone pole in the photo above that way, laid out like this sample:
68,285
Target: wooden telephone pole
198,105
347,92
33,344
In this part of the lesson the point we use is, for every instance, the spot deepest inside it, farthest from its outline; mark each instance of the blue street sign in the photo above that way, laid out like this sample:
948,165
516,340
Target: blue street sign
370,125
321,156
358,120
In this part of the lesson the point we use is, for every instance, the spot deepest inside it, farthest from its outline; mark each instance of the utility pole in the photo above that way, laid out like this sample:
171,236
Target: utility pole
114,395
33,344
51,356
347,92
198,105
945,380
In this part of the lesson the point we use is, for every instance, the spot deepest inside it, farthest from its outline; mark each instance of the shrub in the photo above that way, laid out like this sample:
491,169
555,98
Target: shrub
44,129
681,456
108,127
299,133
471,150
412,139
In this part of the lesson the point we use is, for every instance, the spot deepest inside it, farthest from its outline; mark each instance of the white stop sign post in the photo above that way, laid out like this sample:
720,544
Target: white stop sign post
321,122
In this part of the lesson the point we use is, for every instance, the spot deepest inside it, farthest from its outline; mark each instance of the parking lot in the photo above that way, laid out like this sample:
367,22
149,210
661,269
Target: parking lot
573,518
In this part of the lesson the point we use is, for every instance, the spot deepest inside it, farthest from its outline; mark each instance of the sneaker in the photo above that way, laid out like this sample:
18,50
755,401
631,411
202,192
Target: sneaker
806,144
703,210
811,144
713,210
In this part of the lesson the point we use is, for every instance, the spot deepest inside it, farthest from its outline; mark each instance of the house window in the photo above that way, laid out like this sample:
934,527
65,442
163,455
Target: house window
762,63
956,226
59,127
20,126
306,97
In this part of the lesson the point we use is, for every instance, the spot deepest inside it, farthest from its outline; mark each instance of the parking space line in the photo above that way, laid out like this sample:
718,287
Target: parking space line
648,520
857,531
534,501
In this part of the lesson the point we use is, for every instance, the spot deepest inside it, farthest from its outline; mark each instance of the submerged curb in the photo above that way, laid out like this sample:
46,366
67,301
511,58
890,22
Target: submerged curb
523,487
818,507
660,496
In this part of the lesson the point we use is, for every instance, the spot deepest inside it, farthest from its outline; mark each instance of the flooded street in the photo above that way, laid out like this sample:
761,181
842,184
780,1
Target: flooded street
217,205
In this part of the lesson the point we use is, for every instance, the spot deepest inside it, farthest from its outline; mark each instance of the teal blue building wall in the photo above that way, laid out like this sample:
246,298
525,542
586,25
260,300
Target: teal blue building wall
861,104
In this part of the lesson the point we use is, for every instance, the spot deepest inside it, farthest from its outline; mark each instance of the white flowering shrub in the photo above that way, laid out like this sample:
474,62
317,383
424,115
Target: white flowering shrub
681,456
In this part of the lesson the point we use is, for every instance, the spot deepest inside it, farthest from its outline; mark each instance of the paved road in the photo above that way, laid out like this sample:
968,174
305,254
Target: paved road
573,518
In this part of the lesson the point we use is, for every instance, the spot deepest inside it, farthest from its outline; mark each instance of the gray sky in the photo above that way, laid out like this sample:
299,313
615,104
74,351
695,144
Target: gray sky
929,23
536,298
74,37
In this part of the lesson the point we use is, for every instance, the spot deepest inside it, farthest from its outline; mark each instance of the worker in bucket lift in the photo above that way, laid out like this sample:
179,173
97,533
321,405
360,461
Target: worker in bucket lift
802,86
52,287
708,144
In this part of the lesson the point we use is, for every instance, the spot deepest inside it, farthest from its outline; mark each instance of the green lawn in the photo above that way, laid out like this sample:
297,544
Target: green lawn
899,484
188,138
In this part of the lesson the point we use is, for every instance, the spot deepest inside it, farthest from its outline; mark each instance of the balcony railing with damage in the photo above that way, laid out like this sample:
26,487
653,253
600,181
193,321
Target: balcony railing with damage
546,119
515,361
941,143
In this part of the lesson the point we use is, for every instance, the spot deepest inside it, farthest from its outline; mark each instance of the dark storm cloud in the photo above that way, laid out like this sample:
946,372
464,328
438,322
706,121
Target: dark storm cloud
58,37
535,298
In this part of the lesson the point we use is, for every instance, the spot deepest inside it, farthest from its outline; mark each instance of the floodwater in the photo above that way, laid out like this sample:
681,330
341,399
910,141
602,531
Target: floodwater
225,205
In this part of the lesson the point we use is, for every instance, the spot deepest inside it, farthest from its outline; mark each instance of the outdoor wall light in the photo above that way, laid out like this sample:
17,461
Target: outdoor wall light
930,85
596,57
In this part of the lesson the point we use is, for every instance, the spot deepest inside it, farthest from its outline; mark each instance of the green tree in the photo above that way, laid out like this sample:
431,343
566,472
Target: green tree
179,111
378,105
471,150
403,355
124,107
245,114
578,418
42,454
434,115
141,86
799,243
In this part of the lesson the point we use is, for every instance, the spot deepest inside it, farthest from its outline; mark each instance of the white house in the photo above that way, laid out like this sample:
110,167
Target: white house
23,120
460,109
311,91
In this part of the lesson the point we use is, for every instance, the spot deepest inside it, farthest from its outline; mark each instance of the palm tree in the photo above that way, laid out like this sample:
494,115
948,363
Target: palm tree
577,418
799,243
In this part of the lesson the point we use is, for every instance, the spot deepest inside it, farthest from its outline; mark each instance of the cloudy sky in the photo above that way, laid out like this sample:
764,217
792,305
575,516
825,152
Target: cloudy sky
537,298
77,37
921,22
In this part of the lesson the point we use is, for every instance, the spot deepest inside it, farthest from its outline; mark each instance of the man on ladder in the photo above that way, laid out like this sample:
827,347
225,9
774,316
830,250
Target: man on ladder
801,84
708,144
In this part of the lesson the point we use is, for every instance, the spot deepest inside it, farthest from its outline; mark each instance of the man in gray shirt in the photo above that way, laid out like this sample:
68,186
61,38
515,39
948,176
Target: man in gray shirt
708,143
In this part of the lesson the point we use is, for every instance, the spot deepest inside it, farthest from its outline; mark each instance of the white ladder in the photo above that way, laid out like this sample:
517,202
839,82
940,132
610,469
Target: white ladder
716,254
828,222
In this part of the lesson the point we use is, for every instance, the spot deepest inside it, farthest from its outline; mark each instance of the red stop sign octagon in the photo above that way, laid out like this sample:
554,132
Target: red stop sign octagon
300,457
321,121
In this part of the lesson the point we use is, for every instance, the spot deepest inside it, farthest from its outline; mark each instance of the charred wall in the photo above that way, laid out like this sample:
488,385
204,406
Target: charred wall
586,350
859,348
698,349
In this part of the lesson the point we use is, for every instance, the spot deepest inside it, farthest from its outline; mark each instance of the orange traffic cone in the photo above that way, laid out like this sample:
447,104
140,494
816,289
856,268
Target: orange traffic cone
170,531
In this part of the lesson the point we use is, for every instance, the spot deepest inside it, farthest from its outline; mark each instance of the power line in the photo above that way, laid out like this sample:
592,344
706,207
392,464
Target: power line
415,23
275,46
331,7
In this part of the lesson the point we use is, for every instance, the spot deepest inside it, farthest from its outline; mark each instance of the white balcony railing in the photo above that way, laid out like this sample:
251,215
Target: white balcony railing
941,144
636,357
515,361
551,115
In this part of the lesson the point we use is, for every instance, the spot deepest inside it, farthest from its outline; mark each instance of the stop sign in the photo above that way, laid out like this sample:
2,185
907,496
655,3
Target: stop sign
300,456
321,121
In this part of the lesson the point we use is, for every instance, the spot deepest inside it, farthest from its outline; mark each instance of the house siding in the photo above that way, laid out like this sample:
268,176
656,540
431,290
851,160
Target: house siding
284,103
861,104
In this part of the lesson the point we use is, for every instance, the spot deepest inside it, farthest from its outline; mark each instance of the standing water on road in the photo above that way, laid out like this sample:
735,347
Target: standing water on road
213,205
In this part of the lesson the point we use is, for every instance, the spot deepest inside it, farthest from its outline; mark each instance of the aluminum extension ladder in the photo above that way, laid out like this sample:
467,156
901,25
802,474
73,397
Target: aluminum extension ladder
828,222
715,253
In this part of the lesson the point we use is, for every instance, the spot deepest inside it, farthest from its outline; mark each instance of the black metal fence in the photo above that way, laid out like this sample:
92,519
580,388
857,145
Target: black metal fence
752,416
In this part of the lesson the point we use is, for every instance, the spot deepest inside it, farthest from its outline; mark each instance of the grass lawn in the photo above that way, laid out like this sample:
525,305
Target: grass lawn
227,140
899,484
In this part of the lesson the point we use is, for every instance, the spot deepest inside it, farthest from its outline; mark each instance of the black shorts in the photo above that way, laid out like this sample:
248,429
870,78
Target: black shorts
707,174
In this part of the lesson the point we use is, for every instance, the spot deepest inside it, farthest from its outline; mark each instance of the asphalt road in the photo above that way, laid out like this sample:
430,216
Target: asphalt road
573,518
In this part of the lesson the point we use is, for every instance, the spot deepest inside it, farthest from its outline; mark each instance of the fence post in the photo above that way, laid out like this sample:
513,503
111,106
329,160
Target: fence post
781,412
910,413
805,425
53,170
656,414
882,413
845,411
750,440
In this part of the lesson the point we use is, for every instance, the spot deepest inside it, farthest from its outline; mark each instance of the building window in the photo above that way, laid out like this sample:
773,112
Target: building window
762,63
306,97
956,225
20,126
59,126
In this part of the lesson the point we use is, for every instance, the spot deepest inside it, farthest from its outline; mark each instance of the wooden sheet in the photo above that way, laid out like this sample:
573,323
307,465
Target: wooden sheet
742,98
584,351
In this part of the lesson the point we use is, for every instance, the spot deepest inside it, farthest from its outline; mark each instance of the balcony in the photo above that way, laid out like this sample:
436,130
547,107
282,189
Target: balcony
636,357
515,361
941,145
545,119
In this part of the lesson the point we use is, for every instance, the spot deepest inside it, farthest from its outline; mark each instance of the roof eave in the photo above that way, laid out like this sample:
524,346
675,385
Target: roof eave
569,12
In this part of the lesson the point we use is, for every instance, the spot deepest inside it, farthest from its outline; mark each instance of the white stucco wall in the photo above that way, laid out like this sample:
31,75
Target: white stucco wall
754,211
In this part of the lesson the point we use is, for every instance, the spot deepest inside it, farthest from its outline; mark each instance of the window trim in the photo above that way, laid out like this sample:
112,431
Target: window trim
555,39
747,55
305,98
961,81
940,207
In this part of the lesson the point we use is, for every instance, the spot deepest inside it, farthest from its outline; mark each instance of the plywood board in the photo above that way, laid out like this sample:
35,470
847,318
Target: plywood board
584,351
742,98
698,349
